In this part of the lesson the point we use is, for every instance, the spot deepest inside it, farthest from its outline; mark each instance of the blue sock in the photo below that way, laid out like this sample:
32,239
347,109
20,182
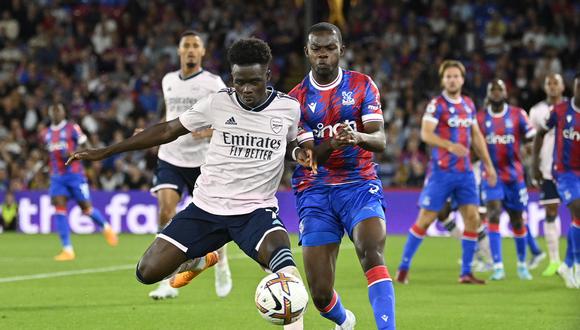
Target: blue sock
532,242
575,241
414,240
97,217
495,243
522,239
334,311
569,260
468,244
382,297
62,227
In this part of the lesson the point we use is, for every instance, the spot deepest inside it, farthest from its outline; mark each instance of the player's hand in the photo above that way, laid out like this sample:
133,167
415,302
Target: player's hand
491,175
89,154
458,150
347,135
305,157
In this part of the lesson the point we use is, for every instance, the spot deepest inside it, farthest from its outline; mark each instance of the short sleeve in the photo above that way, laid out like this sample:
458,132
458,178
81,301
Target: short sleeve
78,134
526,127
432,112
198,115
293,129
550,121
371,106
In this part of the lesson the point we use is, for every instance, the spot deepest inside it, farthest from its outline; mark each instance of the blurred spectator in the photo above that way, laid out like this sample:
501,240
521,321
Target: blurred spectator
105,59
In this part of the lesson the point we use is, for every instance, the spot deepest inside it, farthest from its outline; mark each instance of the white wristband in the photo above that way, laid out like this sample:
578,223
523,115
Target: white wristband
294,152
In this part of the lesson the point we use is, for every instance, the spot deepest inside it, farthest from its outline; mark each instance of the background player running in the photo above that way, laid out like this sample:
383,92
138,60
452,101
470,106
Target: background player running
450,128
565,120
69,181
549,198
179,161
505,128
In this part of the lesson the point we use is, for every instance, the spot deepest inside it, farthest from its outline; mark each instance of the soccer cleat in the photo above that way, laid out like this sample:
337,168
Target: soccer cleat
65,255
183,278
480,266
110,236
568,276
535,260
348,323
223,280
164,291
524,273
470,279
498,274
552,269
402,276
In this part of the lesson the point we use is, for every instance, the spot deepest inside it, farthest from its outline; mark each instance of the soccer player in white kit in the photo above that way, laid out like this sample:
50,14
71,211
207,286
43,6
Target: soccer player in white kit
549,198
179,161
254,128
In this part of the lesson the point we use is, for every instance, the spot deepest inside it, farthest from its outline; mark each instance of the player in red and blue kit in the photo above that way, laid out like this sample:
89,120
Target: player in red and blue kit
505,128
68,181
450,128
565,120
342,122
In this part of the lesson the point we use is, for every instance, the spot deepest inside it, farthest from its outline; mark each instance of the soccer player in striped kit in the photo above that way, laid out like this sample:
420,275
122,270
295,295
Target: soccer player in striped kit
342,122
450,128
505,128
68,181
565,120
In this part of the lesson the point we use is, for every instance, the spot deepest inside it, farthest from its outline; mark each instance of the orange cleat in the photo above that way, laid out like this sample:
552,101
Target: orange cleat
470,279
65,255
402,276
110,236
183,278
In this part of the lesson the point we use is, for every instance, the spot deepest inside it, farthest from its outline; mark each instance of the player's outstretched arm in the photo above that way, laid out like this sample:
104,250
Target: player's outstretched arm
152,136
480,148
537,146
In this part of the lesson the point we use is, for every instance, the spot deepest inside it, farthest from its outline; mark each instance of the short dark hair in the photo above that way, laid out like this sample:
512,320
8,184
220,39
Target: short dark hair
188,33
249,51
326,27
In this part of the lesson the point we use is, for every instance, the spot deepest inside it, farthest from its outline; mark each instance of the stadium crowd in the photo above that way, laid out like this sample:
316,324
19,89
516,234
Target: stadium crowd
105,60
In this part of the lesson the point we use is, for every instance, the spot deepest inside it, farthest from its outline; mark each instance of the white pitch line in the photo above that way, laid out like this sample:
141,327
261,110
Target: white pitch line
106,269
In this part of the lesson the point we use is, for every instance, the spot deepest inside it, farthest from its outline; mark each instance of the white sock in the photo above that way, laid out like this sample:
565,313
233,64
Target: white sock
498,265
552,240
223,257
483,246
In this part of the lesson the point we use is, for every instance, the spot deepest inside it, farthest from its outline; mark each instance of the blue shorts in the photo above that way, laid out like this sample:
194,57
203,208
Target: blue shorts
169,176
513,195
70,186
568,187
326,211
197,232
481,209
440,186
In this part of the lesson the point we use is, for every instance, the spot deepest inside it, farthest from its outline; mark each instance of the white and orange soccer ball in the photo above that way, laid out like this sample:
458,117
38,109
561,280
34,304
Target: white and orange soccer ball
281,298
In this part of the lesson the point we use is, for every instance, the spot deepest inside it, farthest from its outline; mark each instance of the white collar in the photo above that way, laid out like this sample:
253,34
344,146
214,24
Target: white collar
497,115
449,99
59,126
326,87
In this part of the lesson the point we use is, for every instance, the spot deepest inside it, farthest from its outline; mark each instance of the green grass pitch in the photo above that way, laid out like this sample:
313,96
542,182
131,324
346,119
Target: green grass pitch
113,299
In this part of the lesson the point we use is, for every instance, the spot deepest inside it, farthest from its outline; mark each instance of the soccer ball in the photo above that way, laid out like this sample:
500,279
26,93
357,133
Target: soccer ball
281,298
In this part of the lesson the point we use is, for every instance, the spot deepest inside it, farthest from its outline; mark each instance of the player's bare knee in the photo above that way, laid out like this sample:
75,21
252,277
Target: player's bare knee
165,214
370,255
144,273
